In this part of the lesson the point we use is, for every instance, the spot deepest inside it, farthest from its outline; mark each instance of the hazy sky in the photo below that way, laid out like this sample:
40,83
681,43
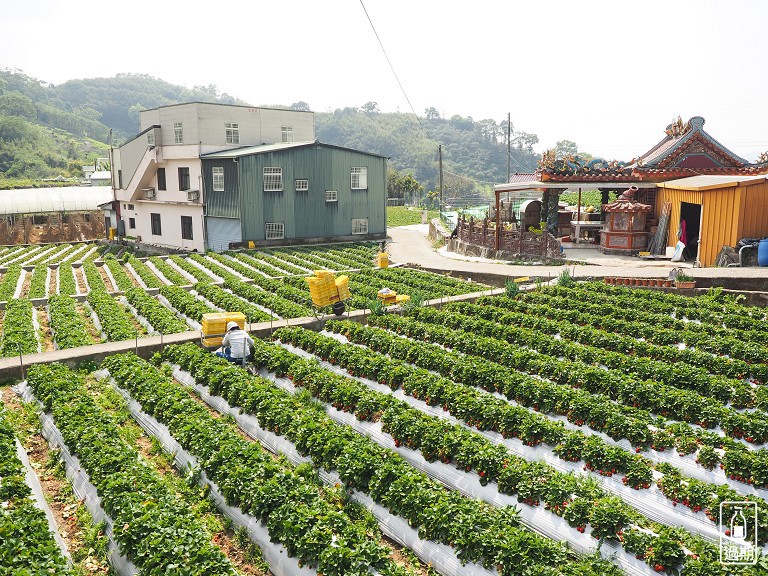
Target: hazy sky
607,75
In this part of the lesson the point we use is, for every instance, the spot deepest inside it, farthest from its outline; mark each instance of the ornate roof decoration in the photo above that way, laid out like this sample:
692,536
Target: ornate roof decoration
686,150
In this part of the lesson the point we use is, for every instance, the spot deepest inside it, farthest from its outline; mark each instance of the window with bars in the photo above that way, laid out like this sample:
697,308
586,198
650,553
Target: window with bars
287,132
218,178
186,227
233,133
178,133
161,178
155,221
331,196
302,185
274,230
273,179
183,179
359,178
131,223
359,225
151,138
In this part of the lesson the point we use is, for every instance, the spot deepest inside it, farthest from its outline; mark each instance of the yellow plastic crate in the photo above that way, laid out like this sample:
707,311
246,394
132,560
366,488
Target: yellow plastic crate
214,326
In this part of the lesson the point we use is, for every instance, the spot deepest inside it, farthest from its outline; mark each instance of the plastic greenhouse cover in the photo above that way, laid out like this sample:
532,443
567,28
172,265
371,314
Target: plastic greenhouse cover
36,327
39,498
442,557
651,503
81,485
280,563
534,517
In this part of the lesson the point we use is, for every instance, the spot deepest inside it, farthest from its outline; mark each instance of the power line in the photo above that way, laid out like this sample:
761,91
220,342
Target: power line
394,73
405,95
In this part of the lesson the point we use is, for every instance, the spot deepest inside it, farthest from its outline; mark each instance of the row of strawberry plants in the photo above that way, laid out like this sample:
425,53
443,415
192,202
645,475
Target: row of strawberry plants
667,399
428,281
687,365
185,264
581,406
281,298
272,285
27,546
487,412
169,272
258,264
578,500
114,319
342,258
477,531
160,318
658,328
38,284
311,528
700,308
77,252
10,252
9,282
186,302
152,528
228,301
281,267
68,326
144,272
19,334
44,253
280,306
282,256
66,279
121,277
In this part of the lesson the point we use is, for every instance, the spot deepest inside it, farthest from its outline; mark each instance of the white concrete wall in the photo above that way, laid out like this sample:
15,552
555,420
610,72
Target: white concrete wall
170,223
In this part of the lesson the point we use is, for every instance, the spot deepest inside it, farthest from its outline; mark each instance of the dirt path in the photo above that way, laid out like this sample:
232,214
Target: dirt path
105,278
82,287
52,280
25,285
47,339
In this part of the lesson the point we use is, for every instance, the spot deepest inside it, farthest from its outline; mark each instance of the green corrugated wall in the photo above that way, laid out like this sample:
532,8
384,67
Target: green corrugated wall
307,214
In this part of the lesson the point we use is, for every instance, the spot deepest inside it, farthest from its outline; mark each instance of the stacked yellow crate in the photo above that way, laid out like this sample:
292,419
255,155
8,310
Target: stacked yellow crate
342,287
322,288
214,326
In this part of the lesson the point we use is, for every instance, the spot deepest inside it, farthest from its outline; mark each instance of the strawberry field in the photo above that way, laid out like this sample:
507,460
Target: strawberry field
578,430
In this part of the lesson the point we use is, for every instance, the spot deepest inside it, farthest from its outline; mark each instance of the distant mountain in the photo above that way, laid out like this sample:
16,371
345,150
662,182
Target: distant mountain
47,130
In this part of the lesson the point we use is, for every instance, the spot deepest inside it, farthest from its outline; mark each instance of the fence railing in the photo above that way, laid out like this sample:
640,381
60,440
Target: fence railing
520,242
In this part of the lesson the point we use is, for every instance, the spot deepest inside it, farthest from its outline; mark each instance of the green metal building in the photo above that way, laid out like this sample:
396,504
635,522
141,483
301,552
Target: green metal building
293,192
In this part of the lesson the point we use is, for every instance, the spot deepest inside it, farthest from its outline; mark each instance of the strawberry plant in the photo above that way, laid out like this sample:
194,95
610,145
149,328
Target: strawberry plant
67,325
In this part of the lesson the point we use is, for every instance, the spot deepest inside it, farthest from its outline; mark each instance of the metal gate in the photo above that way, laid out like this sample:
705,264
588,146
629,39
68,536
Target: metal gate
222,231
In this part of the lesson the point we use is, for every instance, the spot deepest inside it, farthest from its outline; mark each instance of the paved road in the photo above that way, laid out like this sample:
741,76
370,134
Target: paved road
409,245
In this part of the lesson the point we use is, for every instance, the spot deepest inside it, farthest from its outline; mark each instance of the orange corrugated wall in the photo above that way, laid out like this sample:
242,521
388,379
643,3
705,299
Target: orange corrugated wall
675,197
729,214
754,215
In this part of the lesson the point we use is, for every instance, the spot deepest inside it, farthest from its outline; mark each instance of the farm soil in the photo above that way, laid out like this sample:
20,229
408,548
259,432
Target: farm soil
45,328
104,278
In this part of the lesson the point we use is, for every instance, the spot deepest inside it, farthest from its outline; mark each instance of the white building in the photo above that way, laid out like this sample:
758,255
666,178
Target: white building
159,196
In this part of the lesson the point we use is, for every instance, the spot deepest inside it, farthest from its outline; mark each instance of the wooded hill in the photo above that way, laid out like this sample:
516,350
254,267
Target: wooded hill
48,130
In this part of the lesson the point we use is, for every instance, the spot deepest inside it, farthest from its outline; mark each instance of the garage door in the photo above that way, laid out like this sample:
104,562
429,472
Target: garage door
222,231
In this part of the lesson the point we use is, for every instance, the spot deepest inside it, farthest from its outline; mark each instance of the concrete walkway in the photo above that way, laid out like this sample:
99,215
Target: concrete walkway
410,245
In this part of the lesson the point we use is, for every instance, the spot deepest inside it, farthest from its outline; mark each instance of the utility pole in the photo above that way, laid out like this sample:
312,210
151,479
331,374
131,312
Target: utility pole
440,161
509,144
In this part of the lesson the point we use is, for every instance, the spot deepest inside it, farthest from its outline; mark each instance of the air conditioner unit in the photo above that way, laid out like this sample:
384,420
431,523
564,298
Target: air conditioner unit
149,193
193,195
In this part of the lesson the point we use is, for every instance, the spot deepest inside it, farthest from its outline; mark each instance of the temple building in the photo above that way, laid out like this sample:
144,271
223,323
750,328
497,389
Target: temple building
686,150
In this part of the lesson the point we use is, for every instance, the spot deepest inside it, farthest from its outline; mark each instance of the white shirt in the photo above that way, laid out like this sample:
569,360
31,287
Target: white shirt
236,340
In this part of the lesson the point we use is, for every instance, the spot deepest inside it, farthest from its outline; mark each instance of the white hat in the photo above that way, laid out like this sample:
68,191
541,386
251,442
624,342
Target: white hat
231,324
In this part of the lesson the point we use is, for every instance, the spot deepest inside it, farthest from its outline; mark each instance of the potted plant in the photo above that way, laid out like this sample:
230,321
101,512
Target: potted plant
683,280
666,283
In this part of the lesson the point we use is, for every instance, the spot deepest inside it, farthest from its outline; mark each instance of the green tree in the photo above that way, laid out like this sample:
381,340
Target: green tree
370,108
432,114
14,103
301,106
566,148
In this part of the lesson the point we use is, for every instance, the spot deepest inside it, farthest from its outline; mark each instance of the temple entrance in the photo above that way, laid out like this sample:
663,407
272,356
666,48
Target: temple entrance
691,214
